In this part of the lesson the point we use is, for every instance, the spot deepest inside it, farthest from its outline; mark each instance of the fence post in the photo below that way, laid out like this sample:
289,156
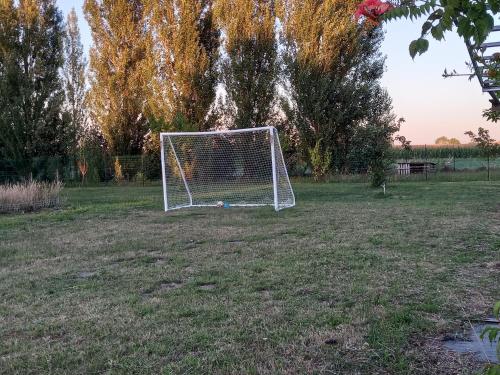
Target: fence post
142,169
426,162
488,167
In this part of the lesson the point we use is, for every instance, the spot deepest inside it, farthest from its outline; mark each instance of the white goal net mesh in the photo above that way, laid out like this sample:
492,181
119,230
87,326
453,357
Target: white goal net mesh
230,168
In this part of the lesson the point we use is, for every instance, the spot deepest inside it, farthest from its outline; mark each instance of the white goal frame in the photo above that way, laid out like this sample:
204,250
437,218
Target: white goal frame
275,150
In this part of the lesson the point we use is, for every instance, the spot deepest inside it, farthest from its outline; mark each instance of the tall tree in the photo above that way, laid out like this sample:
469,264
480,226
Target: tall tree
31,95
484,142
184,58
10,75
74,76
119,76
333,67
249,71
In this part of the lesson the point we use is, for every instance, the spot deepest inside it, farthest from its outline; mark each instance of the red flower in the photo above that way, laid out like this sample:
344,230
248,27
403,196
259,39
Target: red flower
372,9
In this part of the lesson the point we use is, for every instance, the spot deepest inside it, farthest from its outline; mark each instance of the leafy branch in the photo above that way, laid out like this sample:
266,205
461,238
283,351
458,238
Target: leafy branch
473,19
493,333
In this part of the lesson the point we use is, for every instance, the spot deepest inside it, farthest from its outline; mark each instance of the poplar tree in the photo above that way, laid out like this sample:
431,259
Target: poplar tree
31,95
332,68
183,58
118,72
10,76
74,76
249,71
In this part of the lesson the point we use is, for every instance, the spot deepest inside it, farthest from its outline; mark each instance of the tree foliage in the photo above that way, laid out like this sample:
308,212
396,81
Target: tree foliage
447,141
472,19
74,77
183,57
484,142
32,122
333,66
371,148
119,75
157,65
493,334
250,70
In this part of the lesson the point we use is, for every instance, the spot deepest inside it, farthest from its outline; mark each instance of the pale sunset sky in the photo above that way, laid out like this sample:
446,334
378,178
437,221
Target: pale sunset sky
432,106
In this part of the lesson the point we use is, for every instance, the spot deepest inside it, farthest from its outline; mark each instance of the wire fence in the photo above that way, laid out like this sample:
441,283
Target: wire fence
445,170
83,171
146,169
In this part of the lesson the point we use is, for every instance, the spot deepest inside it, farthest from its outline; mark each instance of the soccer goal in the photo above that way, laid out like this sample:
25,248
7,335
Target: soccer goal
242,168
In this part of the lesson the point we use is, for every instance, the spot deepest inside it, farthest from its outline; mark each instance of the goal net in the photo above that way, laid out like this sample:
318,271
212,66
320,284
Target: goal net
224,168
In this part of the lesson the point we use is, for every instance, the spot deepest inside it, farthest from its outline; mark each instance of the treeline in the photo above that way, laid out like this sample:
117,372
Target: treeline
304,66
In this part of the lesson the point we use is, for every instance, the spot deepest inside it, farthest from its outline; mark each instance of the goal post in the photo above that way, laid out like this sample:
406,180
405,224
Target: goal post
240,168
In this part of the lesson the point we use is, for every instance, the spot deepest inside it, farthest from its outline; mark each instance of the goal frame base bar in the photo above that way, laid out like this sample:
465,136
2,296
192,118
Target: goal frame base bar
230,206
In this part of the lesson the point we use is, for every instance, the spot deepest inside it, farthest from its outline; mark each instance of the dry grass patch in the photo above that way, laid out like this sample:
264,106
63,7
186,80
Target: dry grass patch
29,196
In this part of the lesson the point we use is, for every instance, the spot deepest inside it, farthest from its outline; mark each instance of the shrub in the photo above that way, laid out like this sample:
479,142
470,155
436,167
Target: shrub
29,196
321,161
118,170
493,333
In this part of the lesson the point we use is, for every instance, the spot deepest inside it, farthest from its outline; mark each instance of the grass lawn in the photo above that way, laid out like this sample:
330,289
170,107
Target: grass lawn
347,282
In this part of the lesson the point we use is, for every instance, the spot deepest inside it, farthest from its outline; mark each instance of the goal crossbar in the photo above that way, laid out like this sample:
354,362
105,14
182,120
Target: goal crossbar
224,168
235,131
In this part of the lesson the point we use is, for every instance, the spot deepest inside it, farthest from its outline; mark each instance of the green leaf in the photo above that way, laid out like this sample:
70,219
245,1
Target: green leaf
484,25
437,14
426,27
447,21
437,32
406,11
493,334
494,5
496,310
464,28
419,46
493,370
423,45
413,49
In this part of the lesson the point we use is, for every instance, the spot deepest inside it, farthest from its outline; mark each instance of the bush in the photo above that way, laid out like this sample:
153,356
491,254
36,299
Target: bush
29,196
378,173
493,333
321,161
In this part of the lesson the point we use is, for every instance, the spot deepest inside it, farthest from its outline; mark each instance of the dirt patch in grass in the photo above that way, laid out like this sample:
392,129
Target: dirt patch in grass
86,274
493,265
169,286
207,286
161,287
429,357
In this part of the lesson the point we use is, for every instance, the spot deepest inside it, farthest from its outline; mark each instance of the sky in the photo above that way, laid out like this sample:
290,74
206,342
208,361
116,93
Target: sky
431,105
